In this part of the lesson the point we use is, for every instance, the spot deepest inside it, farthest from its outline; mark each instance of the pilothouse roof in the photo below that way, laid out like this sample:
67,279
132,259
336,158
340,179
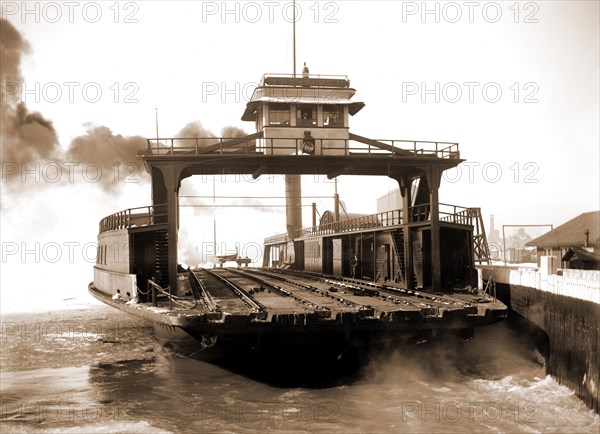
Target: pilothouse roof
307,89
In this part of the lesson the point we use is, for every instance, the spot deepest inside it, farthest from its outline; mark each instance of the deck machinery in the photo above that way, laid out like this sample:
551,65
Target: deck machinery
396,275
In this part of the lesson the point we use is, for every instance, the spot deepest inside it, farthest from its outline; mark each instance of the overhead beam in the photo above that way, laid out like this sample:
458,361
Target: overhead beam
259,171
339,171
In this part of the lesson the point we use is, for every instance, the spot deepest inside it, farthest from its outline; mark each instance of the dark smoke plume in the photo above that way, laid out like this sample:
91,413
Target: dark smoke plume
194,129
25,136
28,137
233,132
116,155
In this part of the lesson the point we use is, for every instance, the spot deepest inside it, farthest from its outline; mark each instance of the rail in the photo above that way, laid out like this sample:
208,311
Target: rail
382,219
173,299
313,80
254,145
418,214
458,214
238,291
133,217
447,213
200,291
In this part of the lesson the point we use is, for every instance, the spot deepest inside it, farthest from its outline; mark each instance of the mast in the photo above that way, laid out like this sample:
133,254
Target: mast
156,120
294,35
214,221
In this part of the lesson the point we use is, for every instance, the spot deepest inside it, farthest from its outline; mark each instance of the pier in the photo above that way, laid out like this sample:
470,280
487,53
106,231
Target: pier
565,308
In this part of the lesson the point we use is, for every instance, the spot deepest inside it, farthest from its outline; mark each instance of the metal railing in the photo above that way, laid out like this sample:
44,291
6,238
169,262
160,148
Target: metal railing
314,80
457,214
197,146
383,219
132,217
271,146
418,214
447,150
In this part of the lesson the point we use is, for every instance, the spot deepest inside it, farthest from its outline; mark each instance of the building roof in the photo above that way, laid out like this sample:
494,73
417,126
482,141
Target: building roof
572,233
581,254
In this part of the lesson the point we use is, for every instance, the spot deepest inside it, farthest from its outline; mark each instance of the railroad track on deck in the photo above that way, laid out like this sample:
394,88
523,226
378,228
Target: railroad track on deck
282,291
221,294
395,295
364,299
258,291
303,298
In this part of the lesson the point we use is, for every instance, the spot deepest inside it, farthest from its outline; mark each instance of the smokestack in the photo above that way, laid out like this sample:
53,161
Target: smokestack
491,223
293,205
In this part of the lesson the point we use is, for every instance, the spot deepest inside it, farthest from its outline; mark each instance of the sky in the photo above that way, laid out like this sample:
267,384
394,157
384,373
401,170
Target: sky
516,84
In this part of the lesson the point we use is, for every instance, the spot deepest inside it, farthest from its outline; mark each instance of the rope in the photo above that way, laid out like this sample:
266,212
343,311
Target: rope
488,284
172,297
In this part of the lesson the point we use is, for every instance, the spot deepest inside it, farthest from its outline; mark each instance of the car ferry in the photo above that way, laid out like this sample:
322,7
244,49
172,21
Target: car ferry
344,282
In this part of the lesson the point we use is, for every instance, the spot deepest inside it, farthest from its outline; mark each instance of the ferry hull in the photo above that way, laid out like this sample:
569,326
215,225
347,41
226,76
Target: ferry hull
210,337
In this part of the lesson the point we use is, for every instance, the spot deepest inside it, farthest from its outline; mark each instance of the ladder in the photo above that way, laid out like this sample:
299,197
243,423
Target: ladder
398,237
481,249
161,251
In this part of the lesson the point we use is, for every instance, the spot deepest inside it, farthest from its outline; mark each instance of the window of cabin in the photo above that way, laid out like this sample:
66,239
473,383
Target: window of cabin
333,115
307,115
279,114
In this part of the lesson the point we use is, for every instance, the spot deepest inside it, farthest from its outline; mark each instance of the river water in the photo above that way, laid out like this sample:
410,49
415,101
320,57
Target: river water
97,370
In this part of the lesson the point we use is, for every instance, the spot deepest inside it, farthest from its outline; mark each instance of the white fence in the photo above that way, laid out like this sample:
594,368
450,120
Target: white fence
581,284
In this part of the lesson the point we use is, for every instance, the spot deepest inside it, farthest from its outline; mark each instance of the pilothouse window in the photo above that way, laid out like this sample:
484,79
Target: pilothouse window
307,115
333,116
279,114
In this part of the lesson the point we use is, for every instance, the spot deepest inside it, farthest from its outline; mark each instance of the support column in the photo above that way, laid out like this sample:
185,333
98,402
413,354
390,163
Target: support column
266,256
404,183
171,175
433,179
159,195
293,205
374,256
